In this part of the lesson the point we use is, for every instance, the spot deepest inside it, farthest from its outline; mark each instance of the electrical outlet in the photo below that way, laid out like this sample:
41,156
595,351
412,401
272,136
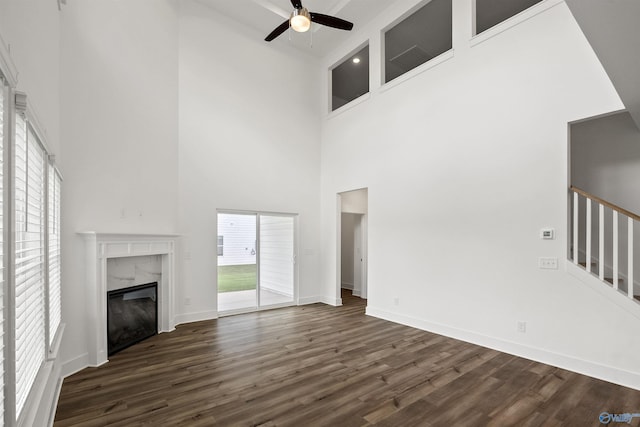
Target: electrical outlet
522,327
396,301
187,301
548,263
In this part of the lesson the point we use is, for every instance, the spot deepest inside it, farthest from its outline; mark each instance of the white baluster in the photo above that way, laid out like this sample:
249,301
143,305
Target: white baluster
630,255
616,274
575,227
588,247
601,240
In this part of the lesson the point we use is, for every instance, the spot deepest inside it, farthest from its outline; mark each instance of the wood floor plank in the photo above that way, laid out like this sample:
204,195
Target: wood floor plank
317,365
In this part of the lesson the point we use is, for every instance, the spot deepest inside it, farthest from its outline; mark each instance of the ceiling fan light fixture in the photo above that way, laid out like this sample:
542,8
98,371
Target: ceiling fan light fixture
300,20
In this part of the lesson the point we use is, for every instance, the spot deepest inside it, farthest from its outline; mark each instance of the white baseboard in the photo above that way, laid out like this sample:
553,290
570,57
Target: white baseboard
332,301
195,317
346,285
74,365
320,299
570,363
309,300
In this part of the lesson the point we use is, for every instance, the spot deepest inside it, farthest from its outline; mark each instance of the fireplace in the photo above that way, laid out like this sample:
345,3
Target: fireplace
118,261
132,316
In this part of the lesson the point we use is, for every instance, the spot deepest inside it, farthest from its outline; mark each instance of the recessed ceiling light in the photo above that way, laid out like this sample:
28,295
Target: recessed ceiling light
356,60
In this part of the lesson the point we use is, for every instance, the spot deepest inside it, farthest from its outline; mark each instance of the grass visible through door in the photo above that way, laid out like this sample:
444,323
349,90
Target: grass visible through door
232,278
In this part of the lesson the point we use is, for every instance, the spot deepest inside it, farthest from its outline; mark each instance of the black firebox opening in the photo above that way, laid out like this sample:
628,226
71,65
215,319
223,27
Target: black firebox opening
132,315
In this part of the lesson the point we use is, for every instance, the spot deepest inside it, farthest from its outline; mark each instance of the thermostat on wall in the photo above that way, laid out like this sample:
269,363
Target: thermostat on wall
547,234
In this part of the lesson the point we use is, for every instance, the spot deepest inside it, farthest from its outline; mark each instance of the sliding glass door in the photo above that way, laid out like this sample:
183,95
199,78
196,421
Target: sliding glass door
256,261
276,260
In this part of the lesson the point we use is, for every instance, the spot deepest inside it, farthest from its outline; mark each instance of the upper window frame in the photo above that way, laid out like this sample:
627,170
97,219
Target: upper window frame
508,23
436,60
342,60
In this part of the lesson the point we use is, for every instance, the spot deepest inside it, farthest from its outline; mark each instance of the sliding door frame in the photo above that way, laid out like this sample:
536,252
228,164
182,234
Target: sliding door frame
258,215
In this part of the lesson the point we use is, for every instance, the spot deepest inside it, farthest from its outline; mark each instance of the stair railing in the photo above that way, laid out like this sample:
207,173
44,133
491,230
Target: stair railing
617,212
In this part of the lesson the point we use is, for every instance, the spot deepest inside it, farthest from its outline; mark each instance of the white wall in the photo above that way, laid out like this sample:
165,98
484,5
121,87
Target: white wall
464,163
119,116
354,201
347,227
249,140
30,29
613,32
605,161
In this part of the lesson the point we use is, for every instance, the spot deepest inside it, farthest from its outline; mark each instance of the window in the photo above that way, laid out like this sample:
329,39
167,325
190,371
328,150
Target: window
30,315
418,38
220,245
29,259
350,78
492,12
54,294
3,109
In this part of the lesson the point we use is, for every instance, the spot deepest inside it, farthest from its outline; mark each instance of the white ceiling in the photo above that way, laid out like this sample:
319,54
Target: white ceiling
265,15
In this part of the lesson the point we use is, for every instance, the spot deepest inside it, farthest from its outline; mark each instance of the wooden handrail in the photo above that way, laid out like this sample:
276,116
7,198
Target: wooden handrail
605,203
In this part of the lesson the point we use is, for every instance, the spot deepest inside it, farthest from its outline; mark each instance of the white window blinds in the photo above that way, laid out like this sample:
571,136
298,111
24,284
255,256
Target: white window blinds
2,273
29,259
55,308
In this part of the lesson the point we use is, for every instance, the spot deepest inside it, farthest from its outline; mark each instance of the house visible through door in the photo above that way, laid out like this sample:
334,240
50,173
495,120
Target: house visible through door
256,261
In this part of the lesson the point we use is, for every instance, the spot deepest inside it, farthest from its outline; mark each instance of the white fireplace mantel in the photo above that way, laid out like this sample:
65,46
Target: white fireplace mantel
99,247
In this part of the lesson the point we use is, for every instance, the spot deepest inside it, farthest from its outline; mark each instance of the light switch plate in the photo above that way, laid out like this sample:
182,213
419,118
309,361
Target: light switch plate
548,263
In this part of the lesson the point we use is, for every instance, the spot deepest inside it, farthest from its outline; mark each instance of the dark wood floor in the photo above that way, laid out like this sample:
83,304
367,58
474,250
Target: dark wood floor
325,366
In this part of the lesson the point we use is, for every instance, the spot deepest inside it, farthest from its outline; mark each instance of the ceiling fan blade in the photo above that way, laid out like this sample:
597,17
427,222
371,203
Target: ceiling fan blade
279,30
331,21
296,3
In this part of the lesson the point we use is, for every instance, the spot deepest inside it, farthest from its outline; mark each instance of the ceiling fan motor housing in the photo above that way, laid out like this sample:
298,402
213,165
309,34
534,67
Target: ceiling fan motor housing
300,19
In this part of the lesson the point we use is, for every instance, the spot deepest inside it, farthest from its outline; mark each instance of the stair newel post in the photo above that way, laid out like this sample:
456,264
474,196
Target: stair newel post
576,212
630,257
616,273
588,243
601,240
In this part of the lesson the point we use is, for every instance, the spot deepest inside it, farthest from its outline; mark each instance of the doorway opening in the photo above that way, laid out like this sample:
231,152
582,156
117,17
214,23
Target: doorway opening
256,261
603,211
352,245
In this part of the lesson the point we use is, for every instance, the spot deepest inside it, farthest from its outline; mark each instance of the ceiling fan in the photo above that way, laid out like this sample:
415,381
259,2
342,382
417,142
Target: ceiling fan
301,20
